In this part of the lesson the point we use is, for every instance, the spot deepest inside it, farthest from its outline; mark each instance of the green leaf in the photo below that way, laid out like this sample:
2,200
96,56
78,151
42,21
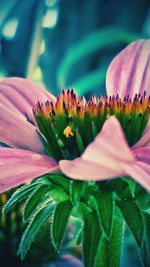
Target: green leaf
115,185
20,194
133,217
131,183
79,237
76,190
91,237
59,180
81,210
104,207
109,251
60,219
34,200
41,215
90,189
125,187
58,194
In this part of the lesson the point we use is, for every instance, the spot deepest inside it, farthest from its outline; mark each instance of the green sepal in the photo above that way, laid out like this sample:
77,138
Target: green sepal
45,144
34,199
60,124
79,141
133,217
139,121
94,129
76,190
65,152
20,194
59,223
104,206
41,215
91,237
79,124
47,130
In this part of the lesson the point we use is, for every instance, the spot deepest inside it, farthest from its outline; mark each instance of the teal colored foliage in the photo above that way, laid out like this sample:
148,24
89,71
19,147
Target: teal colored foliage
101,207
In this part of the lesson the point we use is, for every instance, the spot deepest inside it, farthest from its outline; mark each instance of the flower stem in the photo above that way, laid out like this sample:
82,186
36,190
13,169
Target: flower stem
109,250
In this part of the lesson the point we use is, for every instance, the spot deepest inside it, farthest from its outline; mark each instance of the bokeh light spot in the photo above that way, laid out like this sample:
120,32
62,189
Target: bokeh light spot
50,19
10,28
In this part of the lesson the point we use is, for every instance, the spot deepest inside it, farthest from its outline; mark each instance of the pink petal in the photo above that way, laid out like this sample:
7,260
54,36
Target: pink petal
142,154
129,72
20,95
103,158
16,132
140,172
20,166
145,139
109,156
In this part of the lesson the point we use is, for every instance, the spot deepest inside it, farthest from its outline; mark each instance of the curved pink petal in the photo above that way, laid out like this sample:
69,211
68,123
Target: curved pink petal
109,156
16,132
129,72
142,154
103,158
140,171
20,95
80,169
20,166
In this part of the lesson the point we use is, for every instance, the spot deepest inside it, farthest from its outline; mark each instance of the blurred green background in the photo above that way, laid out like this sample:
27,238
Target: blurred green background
70,43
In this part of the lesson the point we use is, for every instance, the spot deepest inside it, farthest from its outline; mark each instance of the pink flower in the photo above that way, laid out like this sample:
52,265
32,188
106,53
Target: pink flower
108,156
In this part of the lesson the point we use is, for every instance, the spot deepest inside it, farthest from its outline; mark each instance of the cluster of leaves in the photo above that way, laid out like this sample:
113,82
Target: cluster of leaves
102,207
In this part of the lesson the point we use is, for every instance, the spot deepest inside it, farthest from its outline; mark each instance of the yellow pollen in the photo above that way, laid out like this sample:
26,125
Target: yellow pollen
68,132
3,198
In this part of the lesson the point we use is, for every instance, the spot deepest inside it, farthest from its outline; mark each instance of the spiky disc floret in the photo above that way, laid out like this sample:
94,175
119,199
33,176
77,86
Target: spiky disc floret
71,123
